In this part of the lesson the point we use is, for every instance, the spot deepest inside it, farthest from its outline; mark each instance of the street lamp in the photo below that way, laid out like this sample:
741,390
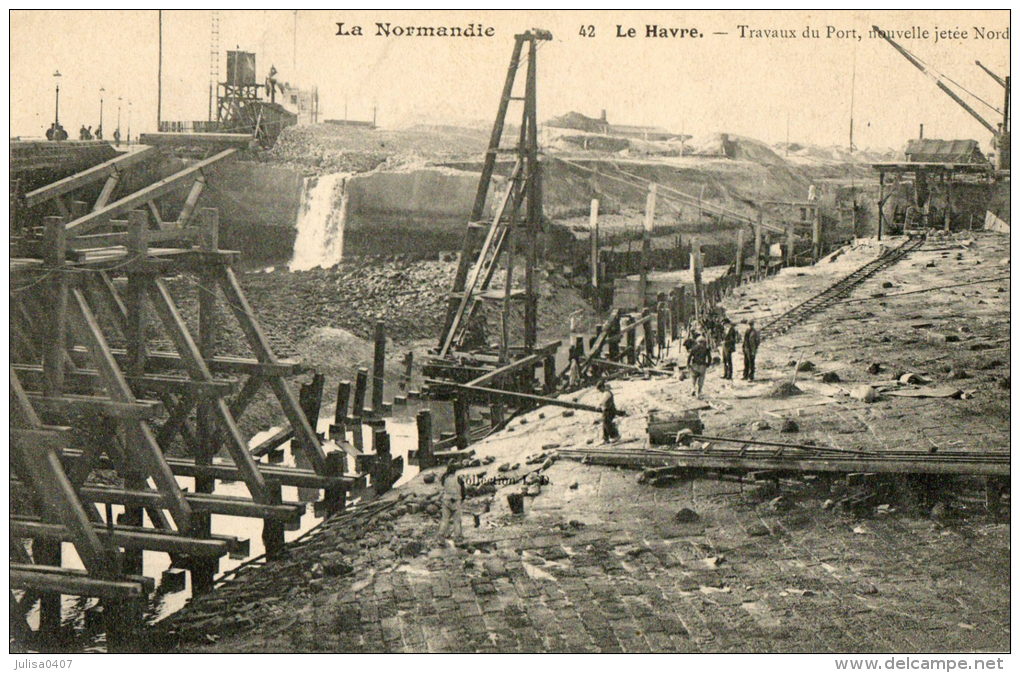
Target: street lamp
99,131
56,106
129,123
116,133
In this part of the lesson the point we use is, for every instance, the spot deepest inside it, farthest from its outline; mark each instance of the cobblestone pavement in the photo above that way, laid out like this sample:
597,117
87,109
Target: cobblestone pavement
604,568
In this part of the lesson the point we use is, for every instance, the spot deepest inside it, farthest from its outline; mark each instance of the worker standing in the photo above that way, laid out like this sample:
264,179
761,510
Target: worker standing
697,363
751,340
607,403
452,494
729,344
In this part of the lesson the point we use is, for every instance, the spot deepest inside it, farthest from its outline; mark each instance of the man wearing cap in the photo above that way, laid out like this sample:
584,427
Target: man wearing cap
751,340
729,344
697,363
608,404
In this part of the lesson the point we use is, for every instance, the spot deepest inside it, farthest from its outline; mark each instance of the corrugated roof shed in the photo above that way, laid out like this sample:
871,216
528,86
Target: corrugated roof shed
944,151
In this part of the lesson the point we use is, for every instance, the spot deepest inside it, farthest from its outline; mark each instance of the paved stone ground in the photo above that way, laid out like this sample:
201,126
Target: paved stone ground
598,562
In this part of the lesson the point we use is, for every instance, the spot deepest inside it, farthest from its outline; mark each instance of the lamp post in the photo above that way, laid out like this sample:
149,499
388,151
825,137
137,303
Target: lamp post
129,123
99,131
56,105
116,133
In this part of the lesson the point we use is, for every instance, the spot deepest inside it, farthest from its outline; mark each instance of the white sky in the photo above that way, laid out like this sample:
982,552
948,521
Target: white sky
716,83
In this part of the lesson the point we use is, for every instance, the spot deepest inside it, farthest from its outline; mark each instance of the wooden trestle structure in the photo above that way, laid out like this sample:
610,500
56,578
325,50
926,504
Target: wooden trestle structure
91,390
464,354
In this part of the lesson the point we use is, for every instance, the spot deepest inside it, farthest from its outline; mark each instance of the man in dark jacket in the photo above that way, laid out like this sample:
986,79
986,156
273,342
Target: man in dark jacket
751,340
697,364
608,405
729,344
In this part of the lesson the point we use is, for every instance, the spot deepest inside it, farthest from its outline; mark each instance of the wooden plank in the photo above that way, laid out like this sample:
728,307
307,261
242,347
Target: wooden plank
99,217
98,172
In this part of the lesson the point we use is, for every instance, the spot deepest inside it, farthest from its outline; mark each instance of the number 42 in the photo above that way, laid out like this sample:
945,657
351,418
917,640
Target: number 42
587,31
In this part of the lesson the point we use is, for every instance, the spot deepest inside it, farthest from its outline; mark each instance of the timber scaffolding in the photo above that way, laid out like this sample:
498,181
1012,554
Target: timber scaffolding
84,280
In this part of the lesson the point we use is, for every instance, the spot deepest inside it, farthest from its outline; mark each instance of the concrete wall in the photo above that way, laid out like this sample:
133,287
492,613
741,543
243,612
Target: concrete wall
413,212
258,206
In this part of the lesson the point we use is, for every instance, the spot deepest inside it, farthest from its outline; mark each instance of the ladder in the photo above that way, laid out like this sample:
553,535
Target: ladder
488,239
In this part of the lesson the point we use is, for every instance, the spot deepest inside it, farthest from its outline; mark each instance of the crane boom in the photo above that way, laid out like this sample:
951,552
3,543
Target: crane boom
938,81
991,74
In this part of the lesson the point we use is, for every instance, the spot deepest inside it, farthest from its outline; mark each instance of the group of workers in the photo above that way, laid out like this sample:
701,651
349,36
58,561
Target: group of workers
699,354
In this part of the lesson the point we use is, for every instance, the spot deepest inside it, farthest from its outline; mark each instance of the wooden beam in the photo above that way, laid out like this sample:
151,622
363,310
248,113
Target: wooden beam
200,502
143,196
70,582
494,392
224,364
495,374
89,378
98,172
129,537
67,403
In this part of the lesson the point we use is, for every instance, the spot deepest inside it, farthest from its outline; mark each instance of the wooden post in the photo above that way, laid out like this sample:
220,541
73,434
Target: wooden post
646,242
460,420
549,372
137,247
47,552
273,531
55,308
379,368
649,337
947,179
881,202
408,370
593,229
203,570
757,245
738,263
631,354
816,235
360,386
335,498
674,312
311,399
338,430
791,239
425,457
699,290
382,465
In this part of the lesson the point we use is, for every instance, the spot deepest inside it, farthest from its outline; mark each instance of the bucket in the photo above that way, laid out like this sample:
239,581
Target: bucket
516,502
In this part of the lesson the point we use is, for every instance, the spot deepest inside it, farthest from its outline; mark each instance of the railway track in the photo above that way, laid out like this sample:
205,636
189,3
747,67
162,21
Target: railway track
838,290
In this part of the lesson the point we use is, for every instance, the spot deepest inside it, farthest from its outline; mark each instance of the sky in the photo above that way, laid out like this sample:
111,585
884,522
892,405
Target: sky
715,83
